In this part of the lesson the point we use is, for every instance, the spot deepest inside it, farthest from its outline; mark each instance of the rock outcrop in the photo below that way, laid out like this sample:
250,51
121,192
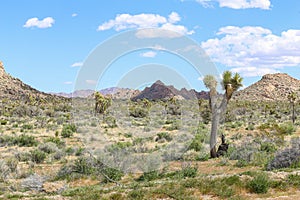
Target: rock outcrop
272,87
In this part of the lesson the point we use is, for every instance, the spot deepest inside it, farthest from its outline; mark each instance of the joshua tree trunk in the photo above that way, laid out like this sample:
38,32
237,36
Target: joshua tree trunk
213,134
217,112
293,114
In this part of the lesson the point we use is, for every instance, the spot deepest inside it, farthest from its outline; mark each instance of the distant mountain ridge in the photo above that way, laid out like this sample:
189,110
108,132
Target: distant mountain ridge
115,92
159,90
271,87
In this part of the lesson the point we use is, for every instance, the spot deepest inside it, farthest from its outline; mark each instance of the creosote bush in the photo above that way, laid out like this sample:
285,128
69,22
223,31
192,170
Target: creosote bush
259,184
68,130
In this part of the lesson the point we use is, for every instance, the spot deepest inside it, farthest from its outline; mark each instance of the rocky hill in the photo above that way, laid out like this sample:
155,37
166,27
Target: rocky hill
272,87
159,90
14,89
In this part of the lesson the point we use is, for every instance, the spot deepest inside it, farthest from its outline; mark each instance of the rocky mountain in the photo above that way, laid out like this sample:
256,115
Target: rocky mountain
271,87
14,89
159,90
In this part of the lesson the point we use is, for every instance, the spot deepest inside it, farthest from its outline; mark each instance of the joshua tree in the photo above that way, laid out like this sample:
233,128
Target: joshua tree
292,97
230,84
101,103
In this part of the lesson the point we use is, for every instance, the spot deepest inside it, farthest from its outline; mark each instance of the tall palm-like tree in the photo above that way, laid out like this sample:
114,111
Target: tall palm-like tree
292,97
230,83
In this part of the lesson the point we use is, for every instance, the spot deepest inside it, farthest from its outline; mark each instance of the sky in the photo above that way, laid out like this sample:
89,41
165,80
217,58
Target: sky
47,44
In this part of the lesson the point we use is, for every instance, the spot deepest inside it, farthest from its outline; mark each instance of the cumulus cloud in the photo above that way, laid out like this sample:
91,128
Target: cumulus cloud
140,21
238,4
149,54
35,22
74,15
254,51
77,64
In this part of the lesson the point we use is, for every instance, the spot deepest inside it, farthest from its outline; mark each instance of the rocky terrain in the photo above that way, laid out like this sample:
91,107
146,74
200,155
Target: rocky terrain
14,89
272,87
159,90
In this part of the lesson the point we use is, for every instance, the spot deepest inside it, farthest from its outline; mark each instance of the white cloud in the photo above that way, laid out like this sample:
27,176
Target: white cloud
254,50
68,82
74,15
140,21
174,18
44,23
149,54
91,82
238,4
126,21
77,64
254,71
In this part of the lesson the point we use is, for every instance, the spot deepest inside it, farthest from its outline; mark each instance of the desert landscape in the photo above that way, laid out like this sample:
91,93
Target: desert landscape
150,144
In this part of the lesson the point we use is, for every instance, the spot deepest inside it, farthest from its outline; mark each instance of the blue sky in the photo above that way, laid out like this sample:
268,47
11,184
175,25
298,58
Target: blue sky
45,43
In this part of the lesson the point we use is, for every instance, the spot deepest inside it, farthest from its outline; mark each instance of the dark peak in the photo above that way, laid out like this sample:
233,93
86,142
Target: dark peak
158,82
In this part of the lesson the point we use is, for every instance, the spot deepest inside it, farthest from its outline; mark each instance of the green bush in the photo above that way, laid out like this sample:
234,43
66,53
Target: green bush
55,140
138,112
197,142
3,122
119,146
149,176
27,127
111,122
259,184
164,135
112,174
37,156
68,130
84,165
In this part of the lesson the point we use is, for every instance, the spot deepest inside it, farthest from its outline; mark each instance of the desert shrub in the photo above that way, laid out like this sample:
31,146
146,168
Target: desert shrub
136,194
110,121
286,157
286,128
259,184
4,170
119,146
112,174
27,126
197,142
149,176
173,109
26,140
68,130
23,156
37,156
188,171
138,112
22,140
3,122
55,140
164,135
243,152
84,165
33,182
294,180
175,125
58,154
12,163
203,156
268,147
48,147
